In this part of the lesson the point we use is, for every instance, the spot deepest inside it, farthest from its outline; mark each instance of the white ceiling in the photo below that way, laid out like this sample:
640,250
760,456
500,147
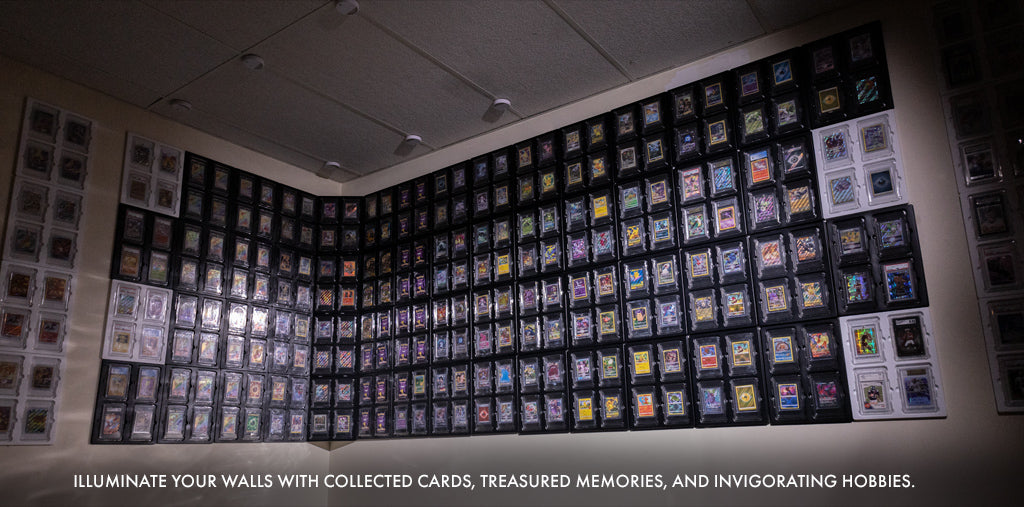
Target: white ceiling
350,88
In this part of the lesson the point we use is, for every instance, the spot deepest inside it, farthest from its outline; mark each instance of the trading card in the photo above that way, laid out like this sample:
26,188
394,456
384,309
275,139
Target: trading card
746,397
703,309
865,340
990,214
735,303
711,399
799,200
999,265
882,183
770,253
819,345
874,391
979,162
789,396
645,407
674,401
607,323
696,223
753,122
811,294
776,298
908,335
117,381
765,208
120,342
899,282
852,241
740,352
731,260
658,193
611,408
874,137
707,356
782,349
916,383
891,233
207,349
205,381
828,100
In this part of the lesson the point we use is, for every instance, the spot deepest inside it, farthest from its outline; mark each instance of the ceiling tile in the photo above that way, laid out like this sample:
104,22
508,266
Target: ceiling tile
239,25
777,14
349,59
206,122
127,40
279,110
48,59
648,36
520,50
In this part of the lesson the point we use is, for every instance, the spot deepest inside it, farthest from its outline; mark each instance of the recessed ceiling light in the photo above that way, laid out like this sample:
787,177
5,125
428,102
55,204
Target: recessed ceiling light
253,61
347,7
181,105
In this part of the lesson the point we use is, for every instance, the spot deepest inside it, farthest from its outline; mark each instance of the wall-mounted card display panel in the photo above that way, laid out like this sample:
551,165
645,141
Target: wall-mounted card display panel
859,165
39,268
892,365
978,48
152,175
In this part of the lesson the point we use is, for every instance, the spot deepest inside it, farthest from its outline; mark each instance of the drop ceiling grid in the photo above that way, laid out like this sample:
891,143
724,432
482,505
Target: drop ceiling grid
203,121
239,25
147,48
649,36
18,48
520,50
352,62
275,108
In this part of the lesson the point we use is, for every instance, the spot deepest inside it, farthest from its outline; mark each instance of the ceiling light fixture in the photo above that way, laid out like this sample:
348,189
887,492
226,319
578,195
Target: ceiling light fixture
181,105
329,169
253,61
408,144
501,104
497,108
347,7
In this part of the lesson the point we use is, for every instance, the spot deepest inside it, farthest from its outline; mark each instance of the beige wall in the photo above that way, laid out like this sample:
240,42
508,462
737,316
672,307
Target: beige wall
43,474
970,456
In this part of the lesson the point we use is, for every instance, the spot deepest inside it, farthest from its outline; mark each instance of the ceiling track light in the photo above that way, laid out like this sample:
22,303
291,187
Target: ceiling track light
253,61
347,7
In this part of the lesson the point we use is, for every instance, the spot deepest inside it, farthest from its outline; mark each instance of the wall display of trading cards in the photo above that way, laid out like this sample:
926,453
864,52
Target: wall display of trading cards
892,365
225,296
981,96
859,165
39,268
152,176
608,275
